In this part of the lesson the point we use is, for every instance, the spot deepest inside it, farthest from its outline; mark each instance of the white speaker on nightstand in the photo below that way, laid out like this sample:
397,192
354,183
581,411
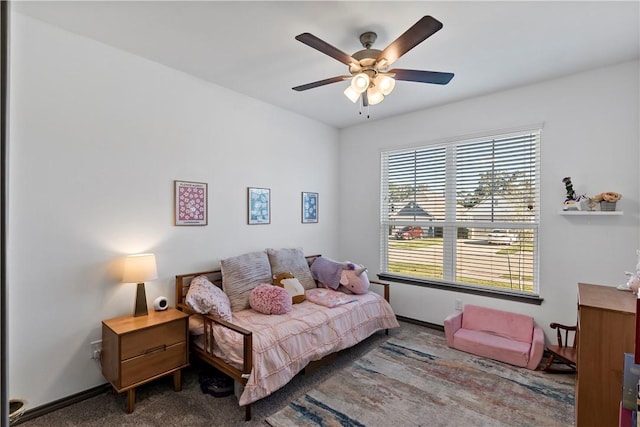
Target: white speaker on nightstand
160,303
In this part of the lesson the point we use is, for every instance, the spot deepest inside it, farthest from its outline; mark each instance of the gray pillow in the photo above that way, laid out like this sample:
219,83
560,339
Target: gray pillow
292,261
240,274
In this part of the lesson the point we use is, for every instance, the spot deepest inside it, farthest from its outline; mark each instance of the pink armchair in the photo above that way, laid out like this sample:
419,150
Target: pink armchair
500,335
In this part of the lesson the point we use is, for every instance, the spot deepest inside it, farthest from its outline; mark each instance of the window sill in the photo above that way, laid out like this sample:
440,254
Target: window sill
491,293
587,213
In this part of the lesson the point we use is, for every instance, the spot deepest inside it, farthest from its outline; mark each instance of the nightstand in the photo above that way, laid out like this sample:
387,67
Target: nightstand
136,350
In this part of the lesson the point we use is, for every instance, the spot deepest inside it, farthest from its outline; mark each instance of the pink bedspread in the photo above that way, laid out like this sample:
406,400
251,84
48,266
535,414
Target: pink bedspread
284,344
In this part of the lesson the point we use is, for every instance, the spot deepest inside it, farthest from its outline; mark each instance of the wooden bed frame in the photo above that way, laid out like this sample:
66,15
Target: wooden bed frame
205,353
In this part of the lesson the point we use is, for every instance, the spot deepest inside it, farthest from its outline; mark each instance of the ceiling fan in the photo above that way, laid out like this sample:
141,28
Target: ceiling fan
369,68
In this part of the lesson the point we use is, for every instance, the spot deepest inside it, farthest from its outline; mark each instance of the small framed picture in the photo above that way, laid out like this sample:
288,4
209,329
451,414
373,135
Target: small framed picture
259,205
309,207
190,203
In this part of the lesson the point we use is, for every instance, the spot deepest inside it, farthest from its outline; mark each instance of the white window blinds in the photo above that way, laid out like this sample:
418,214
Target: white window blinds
465,212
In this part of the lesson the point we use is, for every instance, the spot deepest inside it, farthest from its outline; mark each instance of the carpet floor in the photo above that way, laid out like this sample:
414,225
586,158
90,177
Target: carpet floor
157,403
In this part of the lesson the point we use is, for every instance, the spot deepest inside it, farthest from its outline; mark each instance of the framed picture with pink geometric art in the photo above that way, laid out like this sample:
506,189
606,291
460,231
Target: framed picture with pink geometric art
191,200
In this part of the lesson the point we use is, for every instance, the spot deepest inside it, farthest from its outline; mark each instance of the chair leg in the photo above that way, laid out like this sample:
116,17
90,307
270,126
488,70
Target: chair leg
549,362
570,369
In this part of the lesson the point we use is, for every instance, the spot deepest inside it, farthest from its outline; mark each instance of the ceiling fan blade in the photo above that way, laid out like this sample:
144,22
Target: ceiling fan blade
420,76
326,48
321,83
416,34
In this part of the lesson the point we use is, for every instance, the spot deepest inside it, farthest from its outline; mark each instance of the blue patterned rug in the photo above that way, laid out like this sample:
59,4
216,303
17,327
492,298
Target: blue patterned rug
416,380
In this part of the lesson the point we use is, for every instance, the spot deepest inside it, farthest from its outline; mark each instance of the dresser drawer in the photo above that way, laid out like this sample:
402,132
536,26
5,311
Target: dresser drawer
155,362
143,341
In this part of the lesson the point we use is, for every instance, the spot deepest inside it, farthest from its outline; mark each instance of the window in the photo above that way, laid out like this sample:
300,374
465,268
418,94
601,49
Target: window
465,213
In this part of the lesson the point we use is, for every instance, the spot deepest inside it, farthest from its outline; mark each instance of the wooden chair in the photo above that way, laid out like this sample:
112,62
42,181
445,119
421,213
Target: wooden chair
566,352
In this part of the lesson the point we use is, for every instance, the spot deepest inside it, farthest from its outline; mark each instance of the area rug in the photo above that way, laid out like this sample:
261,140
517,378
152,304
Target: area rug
416,380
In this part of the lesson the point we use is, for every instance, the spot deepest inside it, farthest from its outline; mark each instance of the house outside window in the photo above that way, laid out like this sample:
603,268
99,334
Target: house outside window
465,213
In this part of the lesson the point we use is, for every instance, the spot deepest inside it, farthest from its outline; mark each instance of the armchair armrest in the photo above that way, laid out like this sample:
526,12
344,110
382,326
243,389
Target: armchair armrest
537,348
209,339
452,323
247,344
385,285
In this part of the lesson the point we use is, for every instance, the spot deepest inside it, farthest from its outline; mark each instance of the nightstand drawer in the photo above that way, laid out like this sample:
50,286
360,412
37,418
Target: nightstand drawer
143,341
156,361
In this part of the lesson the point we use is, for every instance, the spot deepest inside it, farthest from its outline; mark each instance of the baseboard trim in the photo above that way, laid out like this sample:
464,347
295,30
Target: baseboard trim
39,411
421,323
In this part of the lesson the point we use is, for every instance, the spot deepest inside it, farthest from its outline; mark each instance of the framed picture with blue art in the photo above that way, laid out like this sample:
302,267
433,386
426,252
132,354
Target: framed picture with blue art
309,207
259,205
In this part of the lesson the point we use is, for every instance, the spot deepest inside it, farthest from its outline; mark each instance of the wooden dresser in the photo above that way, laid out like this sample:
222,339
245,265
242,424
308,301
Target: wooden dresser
606,324
136,350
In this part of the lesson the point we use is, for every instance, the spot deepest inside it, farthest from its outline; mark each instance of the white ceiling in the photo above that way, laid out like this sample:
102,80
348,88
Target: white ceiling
249,47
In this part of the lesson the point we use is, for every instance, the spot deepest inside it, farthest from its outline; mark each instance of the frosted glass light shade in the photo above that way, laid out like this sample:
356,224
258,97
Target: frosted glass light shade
385,84
360,82
374,96
140,268
352,94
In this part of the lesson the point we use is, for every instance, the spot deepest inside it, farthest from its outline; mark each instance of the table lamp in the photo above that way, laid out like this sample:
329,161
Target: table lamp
139,269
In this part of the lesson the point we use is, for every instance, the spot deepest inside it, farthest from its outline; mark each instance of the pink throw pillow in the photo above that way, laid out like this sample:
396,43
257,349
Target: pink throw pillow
269,299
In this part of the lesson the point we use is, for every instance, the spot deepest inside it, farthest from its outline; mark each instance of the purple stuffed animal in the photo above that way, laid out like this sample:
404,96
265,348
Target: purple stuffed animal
354,281
345,276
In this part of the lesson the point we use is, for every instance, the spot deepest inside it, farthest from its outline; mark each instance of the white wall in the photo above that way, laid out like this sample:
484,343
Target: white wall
97,138
591,133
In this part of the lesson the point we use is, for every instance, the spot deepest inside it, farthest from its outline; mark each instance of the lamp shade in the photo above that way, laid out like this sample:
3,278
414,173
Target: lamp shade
140,268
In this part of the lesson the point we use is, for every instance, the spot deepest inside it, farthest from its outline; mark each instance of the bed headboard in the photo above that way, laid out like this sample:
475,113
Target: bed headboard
215,276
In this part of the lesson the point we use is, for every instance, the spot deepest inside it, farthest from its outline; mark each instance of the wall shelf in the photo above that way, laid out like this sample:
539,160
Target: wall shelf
590,213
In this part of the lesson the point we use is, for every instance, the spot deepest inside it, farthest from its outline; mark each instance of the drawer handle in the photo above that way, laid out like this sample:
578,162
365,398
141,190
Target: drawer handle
162,347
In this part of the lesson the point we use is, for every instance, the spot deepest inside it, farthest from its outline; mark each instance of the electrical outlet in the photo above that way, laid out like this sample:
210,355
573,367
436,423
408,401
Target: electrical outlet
96,349
459,304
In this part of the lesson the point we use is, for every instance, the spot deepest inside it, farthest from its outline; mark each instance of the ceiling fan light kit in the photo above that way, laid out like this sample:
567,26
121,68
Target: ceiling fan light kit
352,94
360,82
386,84
370,78
374,95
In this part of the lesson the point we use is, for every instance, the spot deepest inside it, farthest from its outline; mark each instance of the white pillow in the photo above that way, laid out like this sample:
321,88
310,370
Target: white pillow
206,298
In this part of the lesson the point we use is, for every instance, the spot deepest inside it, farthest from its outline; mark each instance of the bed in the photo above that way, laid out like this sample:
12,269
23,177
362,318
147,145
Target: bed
264,352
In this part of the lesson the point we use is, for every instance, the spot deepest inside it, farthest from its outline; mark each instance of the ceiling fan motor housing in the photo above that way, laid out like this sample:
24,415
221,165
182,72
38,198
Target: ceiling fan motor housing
368,39
367,56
